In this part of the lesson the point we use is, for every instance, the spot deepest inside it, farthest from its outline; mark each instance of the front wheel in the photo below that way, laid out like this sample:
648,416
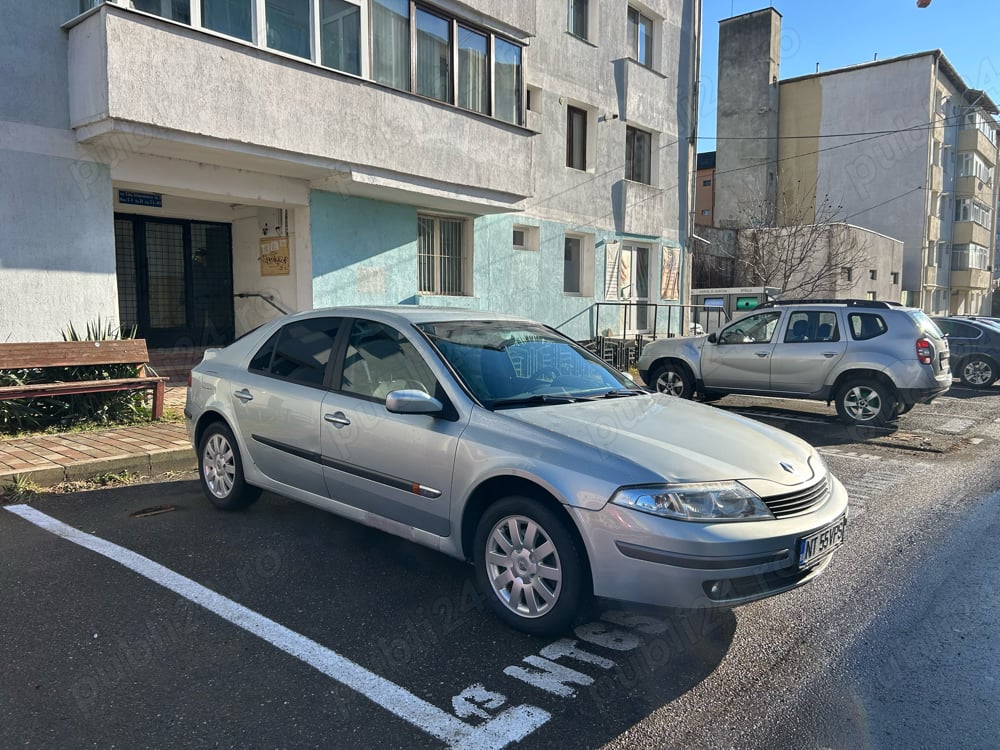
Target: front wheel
220,469
978,372
865,403
672,380
529,567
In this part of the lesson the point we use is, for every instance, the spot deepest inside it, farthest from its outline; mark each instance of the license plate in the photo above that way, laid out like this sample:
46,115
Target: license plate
821,543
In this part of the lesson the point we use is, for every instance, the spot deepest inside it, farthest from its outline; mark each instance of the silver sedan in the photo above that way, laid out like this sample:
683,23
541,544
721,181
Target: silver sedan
499,441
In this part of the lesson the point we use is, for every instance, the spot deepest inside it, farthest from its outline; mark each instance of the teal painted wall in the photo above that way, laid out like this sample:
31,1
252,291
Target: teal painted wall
365,253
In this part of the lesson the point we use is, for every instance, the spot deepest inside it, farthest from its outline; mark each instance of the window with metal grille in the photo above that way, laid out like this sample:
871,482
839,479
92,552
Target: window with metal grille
441,255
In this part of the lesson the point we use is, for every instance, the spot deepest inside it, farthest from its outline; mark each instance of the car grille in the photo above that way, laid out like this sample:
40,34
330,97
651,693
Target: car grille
800,501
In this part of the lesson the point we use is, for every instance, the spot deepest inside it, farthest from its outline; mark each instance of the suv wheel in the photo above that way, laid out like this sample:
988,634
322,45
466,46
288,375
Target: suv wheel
672,380
865,402
978,372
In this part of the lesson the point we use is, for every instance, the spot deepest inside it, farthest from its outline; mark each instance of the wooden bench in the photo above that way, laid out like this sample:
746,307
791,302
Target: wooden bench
80,354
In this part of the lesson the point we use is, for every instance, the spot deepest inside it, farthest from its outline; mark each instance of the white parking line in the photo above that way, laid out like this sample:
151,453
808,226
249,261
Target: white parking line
510,726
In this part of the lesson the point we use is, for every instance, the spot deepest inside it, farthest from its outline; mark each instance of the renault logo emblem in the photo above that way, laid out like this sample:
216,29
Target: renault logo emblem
787,467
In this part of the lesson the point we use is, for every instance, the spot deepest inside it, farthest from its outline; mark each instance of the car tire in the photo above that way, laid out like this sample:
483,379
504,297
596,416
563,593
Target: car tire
978,372
865,403
220,469
672,379
526,595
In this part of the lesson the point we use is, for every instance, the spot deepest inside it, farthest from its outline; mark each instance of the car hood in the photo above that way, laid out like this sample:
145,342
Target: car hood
679,440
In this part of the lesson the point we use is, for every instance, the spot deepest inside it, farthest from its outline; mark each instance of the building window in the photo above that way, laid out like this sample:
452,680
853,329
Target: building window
391,43
941,252
895,277
640,38
433,56
437,49
579,21
473,71
976,119
873,274
340,36
706,212
508,82
871,296
968,209
968,257
576,138
231,17
573,265
176,10
441,255
972,165
847,274
638,154
525,237
706,183
288,26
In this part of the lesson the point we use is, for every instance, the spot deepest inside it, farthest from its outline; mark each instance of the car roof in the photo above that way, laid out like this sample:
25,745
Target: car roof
410,314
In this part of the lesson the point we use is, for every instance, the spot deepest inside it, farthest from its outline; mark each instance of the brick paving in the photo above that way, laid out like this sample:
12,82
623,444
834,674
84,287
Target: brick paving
150,449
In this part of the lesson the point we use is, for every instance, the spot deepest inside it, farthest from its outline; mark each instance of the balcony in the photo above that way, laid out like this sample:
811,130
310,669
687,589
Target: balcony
973,139
644,95
639,208
965,232
937,178
971,279
933,228
973,187
171,90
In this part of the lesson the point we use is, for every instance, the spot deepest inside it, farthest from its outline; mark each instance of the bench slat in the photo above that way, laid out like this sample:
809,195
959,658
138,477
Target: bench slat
73,354
73,388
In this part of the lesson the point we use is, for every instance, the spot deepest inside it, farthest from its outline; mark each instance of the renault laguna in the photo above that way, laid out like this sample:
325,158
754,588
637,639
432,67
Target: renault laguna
502,442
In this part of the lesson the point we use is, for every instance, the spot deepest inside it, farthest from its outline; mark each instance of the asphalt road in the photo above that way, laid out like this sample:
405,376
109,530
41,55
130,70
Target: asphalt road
312,631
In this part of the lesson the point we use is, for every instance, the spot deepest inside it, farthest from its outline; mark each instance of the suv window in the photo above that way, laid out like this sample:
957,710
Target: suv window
866,326
812,325
379,360
299,351
753,329
925,324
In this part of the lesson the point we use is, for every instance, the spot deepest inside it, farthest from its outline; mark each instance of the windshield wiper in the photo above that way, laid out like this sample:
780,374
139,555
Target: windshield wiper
538,398
622,392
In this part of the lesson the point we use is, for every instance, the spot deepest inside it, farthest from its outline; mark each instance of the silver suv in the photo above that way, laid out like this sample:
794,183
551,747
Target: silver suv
874,359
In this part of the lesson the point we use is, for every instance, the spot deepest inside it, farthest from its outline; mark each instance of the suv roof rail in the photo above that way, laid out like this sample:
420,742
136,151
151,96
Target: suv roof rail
882,304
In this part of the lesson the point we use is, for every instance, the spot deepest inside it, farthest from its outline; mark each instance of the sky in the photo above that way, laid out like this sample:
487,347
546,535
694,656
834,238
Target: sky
837,33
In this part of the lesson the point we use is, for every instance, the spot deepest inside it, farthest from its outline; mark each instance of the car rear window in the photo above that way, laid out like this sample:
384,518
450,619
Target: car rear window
925,324
866,326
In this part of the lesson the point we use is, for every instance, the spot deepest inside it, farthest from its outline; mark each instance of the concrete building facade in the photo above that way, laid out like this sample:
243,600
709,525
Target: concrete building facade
200,164
900,146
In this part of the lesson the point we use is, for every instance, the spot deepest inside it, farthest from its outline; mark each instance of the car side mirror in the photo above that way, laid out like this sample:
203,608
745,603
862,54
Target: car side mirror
712,338
412,401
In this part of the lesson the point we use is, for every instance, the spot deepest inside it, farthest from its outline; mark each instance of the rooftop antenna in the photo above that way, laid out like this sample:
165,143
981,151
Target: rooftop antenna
876,57
817,67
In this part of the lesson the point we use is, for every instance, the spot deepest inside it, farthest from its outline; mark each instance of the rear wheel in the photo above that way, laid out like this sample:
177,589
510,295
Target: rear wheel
529,567
865,403
220,469
978,372
673,380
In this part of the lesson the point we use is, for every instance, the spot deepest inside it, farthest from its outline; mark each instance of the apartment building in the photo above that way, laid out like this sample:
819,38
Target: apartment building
903,147
190,167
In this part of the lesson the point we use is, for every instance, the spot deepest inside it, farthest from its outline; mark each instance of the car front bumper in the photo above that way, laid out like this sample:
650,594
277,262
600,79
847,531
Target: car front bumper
638,557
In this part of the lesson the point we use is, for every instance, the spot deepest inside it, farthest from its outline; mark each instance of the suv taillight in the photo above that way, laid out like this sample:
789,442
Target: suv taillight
925,352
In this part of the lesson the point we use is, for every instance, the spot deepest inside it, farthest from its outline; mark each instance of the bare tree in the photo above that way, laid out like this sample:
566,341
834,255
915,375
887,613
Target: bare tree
811,254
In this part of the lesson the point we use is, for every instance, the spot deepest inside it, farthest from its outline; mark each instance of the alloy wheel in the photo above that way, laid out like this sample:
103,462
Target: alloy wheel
862,403
219,466
523,566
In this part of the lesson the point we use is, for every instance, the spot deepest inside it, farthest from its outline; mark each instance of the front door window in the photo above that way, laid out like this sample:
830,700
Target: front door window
634,286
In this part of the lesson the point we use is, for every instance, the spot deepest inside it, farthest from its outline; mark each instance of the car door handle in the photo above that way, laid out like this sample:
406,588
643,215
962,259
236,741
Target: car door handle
243,395
829,354
761,354
339,419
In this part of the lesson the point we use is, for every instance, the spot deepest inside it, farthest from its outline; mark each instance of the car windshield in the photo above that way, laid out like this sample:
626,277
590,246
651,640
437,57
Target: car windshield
926,325
513,363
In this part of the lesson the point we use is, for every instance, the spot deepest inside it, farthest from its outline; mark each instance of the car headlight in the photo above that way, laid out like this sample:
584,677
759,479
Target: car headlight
706,501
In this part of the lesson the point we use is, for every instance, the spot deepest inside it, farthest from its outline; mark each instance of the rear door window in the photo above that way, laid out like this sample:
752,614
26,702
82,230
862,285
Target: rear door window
299,351
865,326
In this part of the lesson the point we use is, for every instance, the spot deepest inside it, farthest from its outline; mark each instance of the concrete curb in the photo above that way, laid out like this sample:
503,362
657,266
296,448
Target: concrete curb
146,464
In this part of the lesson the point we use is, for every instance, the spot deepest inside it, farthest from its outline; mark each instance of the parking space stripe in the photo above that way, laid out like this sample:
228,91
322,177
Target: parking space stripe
509,726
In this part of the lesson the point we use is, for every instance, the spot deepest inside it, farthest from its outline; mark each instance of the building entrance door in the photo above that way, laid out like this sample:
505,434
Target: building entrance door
175,280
